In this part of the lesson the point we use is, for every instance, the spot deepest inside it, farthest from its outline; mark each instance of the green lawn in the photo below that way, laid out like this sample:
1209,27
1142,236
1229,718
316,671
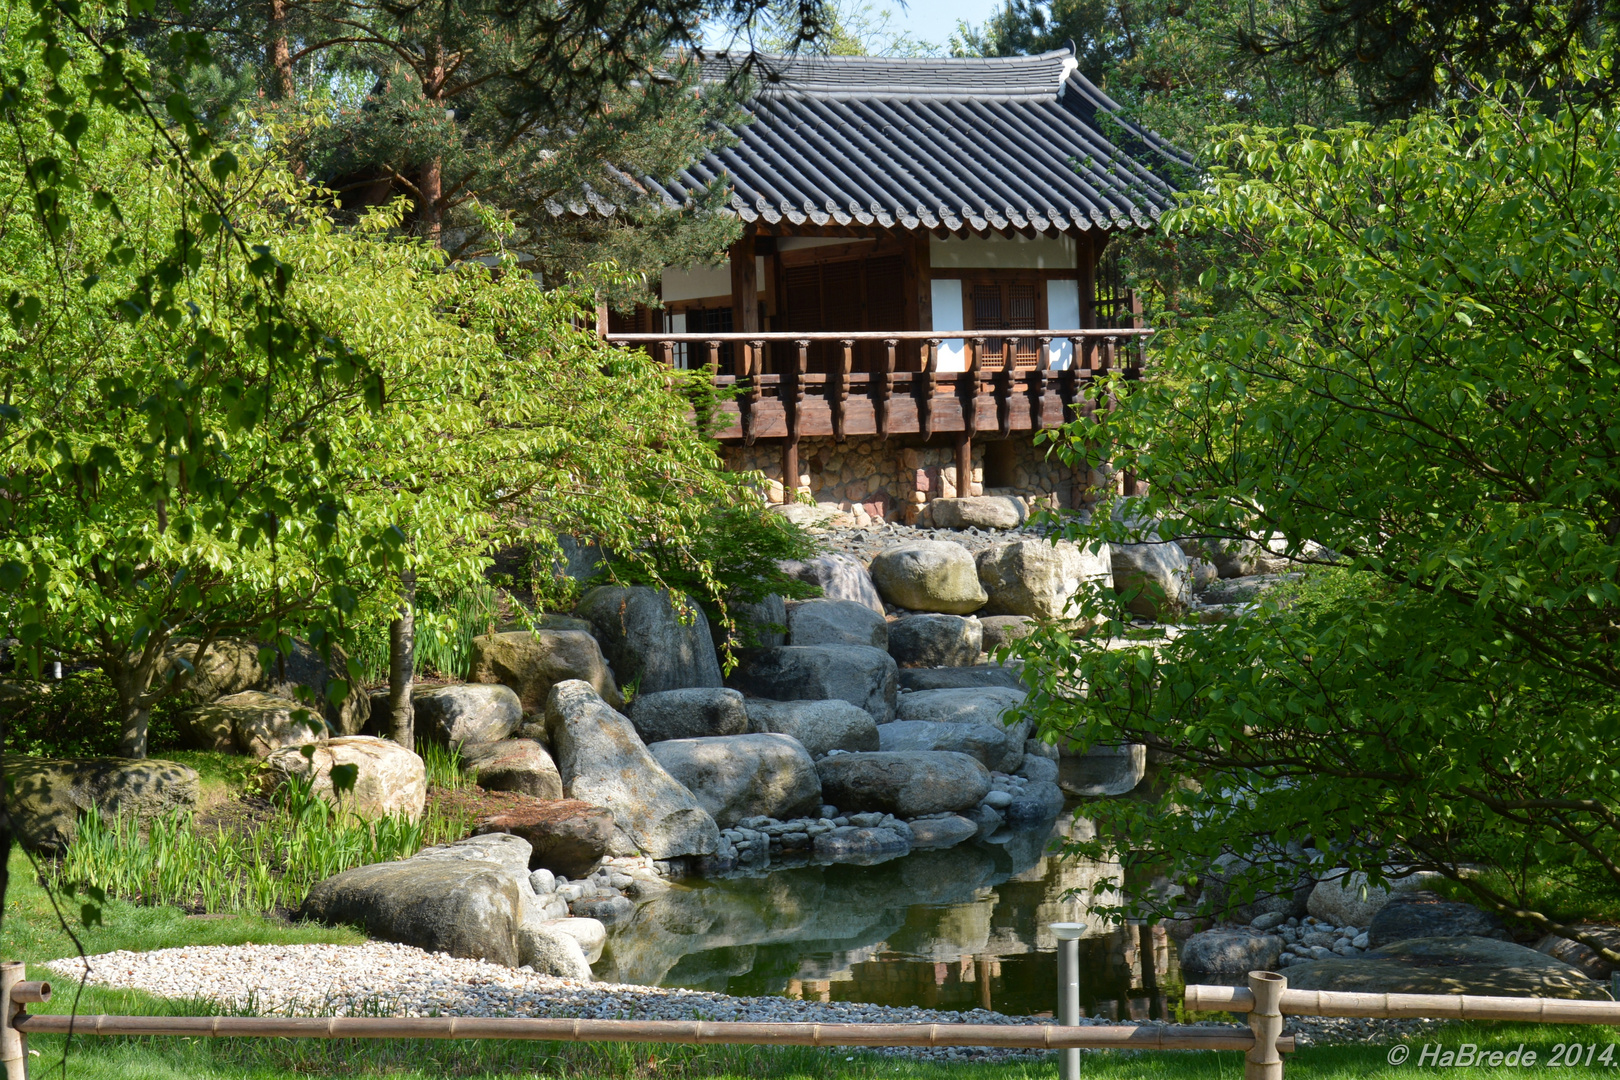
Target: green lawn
31,932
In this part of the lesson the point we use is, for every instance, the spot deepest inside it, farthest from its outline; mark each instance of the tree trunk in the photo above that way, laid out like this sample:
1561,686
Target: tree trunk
402,665
431,181
132,729
278,55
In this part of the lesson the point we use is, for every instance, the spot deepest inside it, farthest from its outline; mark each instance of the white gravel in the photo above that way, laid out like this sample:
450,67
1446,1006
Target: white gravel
380,978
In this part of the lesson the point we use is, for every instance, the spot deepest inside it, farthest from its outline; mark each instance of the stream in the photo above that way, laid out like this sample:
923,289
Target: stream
959,928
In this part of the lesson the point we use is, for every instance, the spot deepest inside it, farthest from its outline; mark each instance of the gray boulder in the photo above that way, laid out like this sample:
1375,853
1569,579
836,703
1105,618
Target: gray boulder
860,675
1003,630
999,748
590,933
979,512
231,666
1583,957
1449,965
645,639
839,577
604,762
1225,954
694,713
1423,914
760,625
470,713
46,796
907,785
860,846
941,832
467,902
1037,766
521,765
1346,899
743,776
1038,577
931,641
1153,580
1229,896
960,678
389,780
929,575
995,706
1102,770
532,662
550,951
252,722
819,726
836,622
1038,804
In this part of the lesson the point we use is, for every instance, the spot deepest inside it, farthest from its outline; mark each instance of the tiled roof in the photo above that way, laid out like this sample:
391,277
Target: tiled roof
1004,143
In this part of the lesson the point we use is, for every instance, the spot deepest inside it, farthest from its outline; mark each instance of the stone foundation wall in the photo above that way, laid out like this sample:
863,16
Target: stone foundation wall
894,480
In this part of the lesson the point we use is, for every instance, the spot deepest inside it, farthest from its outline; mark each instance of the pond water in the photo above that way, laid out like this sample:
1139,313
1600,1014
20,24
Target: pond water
961,928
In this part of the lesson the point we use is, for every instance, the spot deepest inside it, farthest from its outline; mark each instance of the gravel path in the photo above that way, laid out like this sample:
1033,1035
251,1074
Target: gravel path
380,978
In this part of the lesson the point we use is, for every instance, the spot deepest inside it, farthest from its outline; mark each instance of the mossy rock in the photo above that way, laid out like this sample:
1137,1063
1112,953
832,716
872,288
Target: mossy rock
45,796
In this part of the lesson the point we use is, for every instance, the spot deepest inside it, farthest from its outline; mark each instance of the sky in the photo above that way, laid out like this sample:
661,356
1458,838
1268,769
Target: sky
933,20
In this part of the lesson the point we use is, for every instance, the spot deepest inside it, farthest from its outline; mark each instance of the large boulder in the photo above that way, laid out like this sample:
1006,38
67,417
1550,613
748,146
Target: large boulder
469,713
1102,770
761,624
1038,577
532,662
1449,965
1241,889
1588,960
839,577
1346,899
1224,954
1000,749
979,512
694,713
819,726
931,641
929,575
566,836
743,776
836,622
995,706
1004,630
907,785
521,765
544,947
960,678
45,796
655,640
251,722
1423,914
467,900
385,779
1039,803
858,674
1154,580
603,761
232,666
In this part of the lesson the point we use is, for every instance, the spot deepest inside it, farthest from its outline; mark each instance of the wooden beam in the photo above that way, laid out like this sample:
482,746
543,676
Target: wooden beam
744,286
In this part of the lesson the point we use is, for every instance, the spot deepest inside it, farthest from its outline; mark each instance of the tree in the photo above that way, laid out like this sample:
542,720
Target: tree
1418,371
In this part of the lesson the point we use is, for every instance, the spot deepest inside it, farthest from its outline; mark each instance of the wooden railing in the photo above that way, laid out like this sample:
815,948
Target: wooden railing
992,394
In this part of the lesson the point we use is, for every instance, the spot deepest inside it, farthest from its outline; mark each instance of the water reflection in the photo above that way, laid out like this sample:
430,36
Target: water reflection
956,929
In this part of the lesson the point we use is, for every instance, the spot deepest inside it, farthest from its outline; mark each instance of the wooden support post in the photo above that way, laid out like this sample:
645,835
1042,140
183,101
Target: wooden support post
1043,372
744,286
13,1043
964,465
838,398
884,388
968,388
924,388
748,364
791,390
714,356
1263,1062
602,319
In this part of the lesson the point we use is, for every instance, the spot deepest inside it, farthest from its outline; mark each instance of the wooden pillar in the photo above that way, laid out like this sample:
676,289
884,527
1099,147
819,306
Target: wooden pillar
964,465
744,286
1086,253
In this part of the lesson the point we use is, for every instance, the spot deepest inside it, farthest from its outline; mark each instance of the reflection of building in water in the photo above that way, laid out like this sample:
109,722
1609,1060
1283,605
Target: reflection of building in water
957,929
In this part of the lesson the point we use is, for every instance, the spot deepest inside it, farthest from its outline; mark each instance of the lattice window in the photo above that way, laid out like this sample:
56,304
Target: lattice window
1008,305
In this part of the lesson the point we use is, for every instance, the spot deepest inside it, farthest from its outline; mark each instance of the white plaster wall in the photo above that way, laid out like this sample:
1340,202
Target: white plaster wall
947,296
1002,252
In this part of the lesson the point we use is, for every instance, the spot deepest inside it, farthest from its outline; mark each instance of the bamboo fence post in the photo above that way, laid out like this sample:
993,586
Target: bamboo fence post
1262,1062
13,1043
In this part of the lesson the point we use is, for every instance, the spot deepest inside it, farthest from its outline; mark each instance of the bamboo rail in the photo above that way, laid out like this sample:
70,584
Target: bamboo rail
1409,1006
1000,1036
